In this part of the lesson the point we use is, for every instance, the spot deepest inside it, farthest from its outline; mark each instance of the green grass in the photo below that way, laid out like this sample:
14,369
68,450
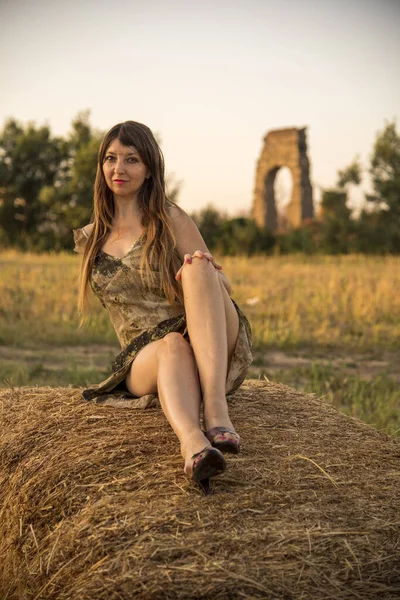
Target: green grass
375,401
17,374
310,306
347,302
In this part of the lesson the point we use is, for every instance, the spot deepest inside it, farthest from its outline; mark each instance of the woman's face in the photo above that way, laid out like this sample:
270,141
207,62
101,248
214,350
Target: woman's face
124,169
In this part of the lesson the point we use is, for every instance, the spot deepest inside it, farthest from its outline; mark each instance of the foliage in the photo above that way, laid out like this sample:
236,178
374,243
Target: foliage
385,173
30,159
337,225
69,201
351,174
242,236
210,221
46,189
385,168
46,183
301,239
232,236
377,228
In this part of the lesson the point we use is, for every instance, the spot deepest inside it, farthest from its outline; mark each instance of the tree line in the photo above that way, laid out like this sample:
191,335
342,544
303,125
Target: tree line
46,189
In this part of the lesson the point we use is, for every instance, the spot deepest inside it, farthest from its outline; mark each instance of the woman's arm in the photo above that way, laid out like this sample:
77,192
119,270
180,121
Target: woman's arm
189,240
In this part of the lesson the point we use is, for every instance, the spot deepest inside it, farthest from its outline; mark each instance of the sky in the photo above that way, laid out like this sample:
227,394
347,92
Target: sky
210,78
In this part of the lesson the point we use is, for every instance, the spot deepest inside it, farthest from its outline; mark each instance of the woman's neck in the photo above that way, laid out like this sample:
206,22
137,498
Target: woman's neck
126,210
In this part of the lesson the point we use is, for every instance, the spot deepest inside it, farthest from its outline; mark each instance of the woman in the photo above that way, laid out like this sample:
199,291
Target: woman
182,336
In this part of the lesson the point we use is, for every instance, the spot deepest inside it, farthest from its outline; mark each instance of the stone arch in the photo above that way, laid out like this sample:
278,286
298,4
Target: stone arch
283,148
283,190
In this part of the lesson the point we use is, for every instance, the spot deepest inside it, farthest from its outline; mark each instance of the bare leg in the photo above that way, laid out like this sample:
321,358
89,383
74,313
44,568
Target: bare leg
169,368
213,326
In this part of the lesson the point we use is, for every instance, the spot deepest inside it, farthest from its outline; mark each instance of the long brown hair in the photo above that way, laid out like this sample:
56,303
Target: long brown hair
158,240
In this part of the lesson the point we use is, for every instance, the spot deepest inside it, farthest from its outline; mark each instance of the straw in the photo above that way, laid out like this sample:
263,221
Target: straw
95,503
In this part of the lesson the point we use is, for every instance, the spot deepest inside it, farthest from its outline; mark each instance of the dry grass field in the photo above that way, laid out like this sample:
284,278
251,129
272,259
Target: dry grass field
329,325
94,503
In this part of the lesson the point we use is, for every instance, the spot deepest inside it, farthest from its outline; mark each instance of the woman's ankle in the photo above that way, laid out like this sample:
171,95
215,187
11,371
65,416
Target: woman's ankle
216,416
193,442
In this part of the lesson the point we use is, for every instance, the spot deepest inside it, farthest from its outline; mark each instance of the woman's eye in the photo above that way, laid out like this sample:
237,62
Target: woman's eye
130,159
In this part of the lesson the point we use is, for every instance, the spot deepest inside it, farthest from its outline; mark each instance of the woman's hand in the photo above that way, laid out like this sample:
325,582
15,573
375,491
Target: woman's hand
198,254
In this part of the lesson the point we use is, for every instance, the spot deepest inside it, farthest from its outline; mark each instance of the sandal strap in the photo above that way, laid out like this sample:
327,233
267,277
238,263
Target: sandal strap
201,451
211,433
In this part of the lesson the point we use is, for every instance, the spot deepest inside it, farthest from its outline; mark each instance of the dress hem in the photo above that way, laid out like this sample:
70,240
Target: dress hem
112,391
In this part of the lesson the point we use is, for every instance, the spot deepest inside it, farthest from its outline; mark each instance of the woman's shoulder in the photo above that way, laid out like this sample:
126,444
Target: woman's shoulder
188,238
176,212
80,236
179,218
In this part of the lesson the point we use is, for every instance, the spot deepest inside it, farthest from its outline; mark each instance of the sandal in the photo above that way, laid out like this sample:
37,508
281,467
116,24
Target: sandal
219,440
207,463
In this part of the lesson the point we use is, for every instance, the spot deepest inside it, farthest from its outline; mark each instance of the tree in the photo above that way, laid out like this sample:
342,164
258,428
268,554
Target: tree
241,235
210,223
351,174
46,183
69,200
385,173
29,160
238,235
385,168
337,225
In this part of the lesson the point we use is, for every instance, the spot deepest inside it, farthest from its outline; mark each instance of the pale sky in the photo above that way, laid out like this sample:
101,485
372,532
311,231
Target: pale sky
210,78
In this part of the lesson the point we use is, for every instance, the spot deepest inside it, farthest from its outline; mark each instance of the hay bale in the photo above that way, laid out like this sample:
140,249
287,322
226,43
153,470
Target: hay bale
95,504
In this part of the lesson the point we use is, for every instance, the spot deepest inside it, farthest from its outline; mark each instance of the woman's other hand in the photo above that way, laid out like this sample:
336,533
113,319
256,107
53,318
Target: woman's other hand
198,254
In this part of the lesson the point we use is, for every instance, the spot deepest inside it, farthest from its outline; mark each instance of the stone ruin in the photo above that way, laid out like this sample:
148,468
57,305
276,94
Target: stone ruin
283,148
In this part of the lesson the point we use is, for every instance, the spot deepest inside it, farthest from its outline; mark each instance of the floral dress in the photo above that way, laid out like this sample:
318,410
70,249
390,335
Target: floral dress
141,314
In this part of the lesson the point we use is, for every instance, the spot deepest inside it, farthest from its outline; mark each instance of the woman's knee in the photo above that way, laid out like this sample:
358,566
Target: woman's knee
198,266
174,344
